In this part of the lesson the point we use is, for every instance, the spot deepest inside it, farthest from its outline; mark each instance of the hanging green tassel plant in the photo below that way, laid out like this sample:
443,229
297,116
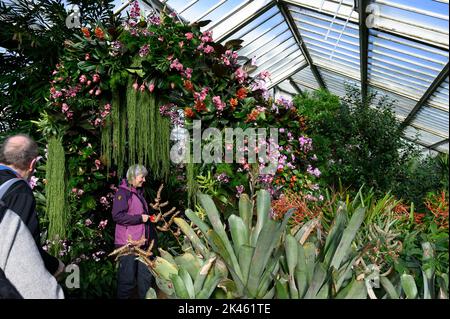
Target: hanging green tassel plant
55,190
145,128
118,118
132,120
155,136
148,133
106,142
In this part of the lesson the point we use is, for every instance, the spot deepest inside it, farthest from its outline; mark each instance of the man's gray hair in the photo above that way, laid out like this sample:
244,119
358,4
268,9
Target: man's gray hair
135,170
21,154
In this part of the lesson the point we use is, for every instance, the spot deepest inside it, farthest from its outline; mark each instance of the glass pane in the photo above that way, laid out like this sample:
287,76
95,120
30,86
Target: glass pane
443,148
425,138
394,61
440,99
305,78
402,106
434,119
336,83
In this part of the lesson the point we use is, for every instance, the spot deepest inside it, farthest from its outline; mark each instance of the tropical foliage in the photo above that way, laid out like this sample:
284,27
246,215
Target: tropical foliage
107,95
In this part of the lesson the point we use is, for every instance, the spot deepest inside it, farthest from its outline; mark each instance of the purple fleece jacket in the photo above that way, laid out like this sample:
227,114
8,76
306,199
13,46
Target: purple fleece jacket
128,206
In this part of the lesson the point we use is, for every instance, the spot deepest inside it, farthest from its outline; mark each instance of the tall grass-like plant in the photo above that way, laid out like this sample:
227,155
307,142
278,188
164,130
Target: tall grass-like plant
56,191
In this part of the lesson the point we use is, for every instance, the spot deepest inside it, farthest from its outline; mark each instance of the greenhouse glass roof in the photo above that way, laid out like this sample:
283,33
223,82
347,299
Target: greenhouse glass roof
397,47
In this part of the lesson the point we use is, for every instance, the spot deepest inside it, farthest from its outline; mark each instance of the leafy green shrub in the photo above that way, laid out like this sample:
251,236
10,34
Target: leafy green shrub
355,144
421,176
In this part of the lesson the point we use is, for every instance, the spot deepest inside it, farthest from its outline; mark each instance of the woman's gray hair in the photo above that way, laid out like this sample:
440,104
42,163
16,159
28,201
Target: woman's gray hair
135,170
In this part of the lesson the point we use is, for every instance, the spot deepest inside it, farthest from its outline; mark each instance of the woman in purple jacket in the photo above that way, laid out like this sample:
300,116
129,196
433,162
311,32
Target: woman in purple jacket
131,214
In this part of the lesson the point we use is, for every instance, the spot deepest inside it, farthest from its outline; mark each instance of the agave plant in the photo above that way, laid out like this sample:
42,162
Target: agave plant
250,254
318,270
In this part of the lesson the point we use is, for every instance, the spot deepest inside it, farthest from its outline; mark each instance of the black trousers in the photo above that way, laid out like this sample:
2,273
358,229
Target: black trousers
131,274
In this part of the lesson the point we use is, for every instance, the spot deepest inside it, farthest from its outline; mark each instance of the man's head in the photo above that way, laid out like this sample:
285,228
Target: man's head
20,152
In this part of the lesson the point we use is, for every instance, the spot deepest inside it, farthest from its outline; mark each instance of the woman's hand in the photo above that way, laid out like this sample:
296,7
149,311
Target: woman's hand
145,218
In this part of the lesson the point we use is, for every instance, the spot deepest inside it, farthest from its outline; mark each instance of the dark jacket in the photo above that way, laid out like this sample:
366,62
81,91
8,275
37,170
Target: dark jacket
19,198
128,206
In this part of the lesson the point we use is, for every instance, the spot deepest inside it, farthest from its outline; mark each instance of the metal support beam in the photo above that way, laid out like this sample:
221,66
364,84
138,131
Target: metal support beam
298,38
280,90
433,146
363,47
436,83
295,86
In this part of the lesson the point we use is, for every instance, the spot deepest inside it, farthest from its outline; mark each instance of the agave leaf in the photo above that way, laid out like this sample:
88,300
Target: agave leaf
203,273
310,260
221,250
270,294
215,276
214,218
197,221
301,272
246,210
335,234
179,286
269,274
188,283
428,270
389,287
165,285
355,290
344,273
190,262
409,286
269,237
245,259
239,232
291,247
262,212
317,281
229,287
167,256
163,268
348,236
443,286
192,236
151,294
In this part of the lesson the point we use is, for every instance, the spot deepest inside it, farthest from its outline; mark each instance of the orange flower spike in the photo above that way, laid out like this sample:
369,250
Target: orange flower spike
188,112
86,32
241,93
99,33
188,85
200,106
233,103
